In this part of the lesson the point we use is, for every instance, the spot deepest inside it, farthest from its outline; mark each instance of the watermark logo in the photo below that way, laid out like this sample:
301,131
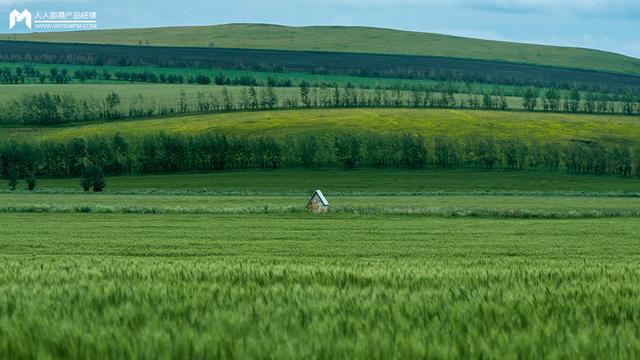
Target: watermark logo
15,17
55,20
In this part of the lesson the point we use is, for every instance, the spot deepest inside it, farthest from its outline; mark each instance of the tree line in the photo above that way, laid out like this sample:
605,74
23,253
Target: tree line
350,64
47,108
159,153
28,73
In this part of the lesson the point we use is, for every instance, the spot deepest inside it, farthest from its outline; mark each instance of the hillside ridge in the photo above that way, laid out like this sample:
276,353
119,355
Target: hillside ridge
351,39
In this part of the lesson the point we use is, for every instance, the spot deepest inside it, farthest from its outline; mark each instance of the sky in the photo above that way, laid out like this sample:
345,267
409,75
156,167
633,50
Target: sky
612,25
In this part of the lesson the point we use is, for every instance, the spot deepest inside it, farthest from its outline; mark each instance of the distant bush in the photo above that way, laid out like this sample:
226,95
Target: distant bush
31,181
93,178
13,177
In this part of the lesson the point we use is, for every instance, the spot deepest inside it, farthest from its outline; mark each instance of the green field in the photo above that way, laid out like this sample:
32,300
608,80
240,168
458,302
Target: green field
348,39
292,286
406,264
359,182
456,206
545,127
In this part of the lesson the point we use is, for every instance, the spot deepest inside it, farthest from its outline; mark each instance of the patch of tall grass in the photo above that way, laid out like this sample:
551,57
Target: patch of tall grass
446,212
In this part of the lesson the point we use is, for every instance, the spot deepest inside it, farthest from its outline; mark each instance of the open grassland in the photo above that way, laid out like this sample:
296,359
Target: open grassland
347,39
434,193
406,264
359,182
485,206
297,286
544,127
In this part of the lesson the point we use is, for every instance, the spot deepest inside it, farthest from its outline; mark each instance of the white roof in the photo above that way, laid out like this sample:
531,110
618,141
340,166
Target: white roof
322,198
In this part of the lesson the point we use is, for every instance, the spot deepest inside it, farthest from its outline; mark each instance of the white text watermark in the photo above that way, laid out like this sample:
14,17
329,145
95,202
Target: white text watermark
54,20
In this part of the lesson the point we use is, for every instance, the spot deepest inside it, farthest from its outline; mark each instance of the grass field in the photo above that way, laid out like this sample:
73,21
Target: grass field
347,39
230,265
545,127
455,206
88,285
358,182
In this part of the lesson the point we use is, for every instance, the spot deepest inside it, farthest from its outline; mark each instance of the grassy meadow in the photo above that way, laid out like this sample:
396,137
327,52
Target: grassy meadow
347,39
545,127
358,182
452,206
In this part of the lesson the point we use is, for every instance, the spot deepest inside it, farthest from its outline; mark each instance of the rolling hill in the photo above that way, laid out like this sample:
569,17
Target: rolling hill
348,39
457,124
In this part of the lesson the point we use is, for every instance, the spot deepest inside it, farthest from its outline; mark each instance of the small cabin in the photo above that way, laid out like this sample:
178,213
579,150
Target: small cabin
318,204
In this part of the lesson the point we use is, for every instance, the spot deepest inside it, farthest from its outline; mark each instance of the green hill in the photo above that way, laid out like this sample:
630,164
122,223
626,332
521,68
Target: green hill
348,39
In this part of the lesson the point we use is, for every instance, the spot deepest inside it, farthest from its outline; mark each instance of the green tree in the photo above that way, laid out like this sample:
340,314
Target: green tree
272,97
627,102
487,101
227,99
636,158
551,100
31,181
304,93
183,105
414,153
93,178
348,150
12,175
573,102
253,98
112,101
530,99
589,105
336,96
503,102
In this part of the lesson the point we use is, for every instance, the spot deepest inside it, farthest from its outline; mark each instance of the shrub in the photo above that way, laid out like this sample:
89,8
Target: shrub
13,178
93,178
31,181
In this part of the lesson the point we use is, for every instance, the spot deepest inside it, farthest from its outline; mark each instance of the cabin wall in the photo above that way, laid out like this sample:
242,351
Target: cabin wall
315,206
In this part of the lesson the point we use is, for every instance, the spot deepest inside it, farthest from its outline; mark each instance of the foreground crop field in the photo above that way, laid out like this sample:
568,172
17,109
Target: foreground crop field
406,264
292,286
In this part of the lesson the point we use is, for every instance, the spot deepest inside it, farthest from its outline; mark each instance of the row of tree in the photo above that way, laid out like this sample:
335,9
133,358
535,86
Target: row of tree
172,153
22,74
576,102
47,108
361,65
